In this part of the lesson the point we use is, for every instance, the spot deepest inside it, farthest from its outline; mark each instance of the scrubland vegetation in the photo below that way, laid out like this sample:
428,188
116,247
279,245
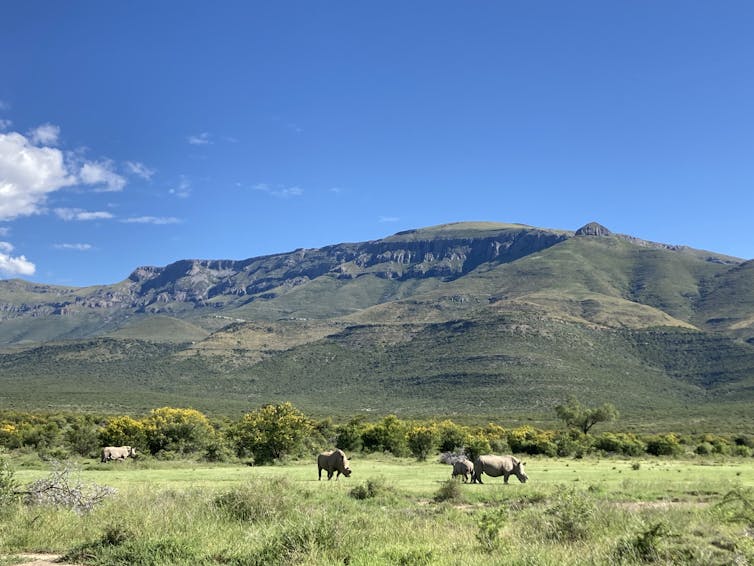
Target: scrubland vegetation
280,431
194,497
396,511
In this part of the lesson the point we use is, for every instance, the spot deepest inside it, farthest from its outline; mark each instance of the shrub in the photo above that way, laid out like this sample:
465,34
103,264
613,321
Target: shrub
744,451
704,449
664,445
737,506
123,431
370,489
450,490
348,436
422,440
529,440
644,547
389,435
476,445
257,501
570,518
272,432
489,524
62,489
8,483
452,437
619,443
297,542
181,431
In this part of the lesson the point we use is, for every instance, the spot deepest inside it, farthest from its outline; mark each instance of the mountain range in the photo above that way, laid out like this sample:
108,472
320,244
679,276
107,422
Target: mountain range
468,320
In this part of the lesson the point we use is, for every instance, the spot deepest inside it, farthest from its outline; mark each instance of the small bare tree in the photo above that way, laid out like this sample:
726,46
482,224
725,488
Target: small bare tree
64,488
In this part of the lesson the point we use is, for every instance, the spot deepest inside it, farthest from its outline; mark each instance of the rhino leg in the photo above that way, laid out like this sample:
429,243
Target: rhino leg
320,474
329,475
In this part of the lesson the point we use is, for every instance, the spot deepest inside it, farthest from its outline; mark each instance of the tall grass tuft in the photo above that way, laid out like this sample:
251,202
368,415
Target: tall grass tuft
256,501
644,547
571,517
489,525
450,490
375,487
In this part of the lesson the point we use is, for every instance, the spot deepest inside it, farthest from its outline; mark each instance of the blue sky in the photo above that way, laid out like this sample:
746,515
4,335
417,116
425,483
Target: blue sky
141,133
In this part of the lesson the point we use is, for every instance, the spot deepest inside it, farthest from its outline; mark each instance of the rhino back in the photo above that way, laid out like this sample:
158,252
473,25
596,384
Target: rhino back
332,460
494,465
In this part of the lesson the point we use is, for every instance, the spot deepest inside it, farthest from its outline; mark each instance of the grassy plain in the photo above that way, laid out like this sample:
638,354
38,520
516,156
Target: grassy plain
397,511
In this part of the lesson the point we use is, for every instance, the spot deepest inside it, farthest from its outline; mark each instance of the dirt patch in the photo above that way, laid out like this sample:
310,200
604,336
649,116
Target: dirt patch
662,505
39,559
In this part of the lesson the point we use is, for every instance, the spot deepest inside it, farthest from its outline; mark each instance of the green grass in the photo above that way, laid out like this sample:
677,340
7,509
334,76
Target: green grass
570,512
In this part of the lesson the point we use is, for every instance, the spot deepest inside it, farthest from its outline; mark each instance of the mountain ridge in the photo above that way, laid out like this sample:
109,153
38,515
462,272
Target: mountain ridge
445,316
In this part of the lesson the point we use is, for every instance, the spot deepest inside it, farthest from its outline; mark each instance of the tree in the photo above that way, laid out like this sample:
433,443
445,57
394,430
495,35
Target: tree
575,415
181,431
272,431
389,435
422,440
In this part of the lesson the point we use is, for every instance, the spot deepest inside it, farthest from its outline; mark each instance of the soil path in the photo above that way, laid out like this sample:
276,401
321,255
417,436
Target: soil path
40,559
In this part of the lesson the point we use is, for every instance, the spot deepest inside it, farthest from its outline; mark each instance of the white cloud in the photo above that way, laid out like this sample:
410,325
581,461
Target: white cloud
139,169
4,230
74,247
279,191
183,189
152,220
101,173
6,247
28,174
388,219
16,265
200,139
5,124
46,134
79,214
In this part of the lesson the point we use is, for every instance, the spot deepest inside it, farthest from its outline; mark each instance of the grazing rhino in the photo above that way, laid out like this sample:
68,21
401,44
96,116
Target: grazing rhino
333,461
117,453
463,468
496,466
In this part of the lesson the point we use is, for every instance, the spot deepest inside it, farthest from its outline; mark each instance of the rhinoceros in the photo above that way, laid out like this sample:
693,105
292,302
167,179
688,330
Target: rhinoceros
117,453
463,468
333,461
496,466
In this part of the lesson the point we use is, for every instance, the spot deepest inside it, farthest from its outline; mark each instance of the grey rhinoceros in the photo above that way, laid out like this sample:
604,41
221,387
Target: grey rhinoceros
463,468
117,453
333,461
496,466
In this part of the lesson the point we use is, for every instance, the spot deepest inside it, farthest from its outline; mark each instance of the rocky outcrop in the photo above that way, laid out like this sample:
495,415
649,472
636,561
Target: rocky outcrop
593,229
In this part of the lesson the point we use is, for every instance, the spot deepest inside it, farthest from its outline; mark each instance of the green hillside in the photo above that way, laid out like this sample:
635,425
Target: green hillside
470,320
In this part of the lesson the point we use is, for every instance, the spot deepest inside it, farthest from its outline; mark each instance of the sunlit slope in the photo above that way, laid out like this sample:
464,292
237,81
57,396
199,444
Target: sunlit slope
160,328
518,364
603,280
727,302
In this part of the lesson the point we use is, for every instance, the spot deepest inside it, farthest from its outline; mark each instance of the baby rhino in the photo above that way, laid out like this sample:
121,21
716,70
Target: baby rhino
333,461
463,468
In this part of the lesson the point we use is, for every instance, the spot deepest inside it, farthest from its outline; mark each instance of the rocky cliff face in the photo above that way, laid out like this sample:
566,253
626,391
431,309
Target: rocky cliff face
217,283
